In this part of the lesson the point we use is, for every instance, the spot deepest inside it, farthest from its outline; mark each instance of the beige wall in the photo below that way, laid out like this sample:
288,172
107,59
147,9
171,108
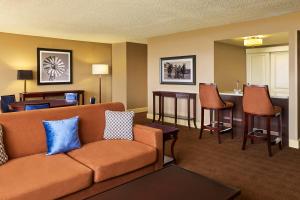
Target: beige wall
20,52
136,75
230,66
119,73
201,43
129,74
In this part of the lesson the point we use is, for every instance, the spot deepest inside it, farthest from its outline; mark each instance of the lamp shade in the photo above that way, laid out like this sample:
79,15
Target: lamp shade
24,75
100,69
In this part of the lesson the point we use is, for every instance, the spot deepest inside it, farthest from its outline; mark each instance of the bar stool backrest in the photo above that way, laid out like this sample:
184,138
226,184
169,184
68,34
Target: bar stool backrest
209,96
257,101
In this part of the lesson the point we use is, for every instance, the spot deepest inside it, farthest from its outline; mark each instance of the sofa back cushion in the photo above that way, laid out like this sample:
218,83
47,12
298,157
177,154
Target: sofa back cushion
25,134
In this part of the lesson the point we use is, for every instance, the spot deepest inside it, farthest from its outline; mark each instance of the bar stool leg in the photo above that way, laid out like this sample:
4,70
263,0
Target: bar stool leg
269,136
231,122
218,127
280,130
251,128
211,120
202,123
245,131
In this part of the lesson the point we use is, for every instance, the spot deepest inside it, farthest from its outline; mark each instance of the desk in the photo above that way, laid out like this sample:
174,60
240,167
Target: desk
175,95
19,106
46,94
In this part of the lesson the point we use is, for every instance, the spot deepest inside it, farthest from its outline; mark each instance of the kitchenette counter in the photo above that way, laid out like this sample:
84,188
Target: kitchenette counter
273,96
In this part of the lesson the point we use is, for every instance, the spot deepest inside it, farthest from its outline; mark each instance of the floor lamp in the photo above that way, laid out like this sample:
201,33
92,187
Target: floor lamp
100,69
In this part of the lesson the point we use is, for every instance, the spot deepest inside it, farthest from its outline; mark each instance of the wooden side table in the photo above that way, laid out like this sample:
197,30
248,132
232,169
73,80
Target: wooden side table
169,133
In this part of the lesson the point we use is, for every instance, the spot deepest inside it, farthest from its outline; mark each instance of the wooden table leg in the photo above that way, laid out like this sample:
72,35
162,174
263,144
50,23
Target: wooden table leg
173,145
159,108
175,105
189,112
153,120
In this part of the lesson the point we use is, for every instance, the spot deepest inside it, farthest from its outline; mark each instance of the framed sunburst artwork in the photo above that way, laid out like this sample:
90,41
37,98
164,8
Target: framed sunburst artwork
54,66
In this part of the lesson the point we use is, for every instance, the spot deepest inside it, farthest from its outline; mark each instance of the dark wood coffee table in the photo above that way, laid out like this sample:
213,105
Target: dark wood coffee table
172,183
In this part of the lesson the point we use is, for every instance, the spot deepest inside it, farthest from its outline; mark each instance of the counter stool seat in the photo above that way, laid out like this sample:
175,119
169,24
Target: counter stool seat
210,100
265,109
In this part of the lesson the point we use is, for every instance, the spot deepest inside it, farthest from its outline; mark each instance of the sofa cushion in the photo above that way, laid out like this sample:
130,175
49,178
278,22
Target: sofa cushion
111,158
42,177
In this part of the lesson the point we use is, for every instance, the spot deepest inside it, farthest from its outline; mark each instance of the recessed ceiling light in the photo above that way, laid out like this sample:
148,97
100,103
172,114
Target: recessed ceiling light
253,41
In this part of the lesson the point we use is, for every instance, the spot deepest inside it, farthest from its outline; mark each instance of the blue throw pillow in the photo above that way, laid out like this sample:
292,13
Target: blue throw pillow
62,135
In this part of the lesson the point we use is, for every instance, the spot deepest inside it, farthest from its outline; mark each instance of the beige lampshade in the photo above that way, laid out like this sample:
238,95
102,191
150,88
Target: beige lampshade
100,69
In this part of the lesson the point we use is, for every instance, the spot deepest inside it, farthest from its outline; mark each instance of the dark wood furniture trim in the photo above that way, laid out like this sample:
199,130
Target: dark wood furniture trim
176,95
44,95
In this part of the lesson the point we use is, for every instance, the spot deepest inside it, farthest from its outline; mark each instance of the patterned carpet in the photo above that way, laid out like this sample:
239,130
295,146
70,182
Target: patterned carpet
253,171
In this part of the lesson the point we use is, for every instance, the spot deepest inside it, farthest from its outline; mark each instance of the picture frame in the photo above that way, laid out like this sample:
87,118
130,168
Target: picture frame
54,66
179,70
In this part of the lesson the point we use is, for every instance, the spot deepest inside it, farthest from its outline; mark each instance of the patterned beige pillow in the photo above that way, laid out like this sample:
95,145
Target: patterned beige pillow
3,155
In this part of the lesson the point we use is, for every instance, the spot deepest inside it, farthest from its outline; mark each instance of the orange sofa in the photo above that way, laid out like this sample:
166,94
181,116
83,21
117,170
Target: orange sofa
97,166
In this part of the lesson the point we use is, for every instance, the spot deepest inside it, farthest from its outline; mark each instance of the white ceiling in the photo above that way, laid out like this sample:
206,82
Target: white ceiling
129,20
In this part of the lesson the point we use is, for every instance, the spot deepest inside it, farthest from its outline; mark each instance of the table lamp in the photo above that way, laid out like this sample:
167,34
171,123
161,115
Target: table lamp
100,69
24,75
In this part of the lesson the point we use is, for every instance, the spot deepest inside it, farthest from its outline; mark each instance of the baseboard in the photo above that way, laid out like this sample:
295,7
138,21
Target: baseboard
294,144
139,110
181,122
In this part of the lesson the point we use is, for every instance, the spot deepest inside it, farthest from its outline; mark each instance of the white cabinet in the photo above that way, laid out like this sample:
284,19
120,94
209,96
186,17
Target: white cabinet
280,73
269,66
257,68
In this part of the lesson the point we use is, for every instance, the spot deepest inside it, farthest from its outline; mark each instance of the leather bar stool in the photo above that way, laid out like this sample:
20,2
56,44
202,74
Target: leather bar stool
257,103
210,100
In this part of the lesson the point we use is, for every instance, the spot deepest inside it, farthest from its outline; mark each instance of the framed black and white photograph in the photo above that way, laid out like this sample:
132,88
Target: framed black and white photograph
179,70
54,66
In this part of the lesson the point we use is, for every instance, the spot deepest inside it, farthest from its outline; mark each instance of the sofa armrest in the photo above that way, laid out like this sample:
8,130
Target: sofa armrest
152,137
